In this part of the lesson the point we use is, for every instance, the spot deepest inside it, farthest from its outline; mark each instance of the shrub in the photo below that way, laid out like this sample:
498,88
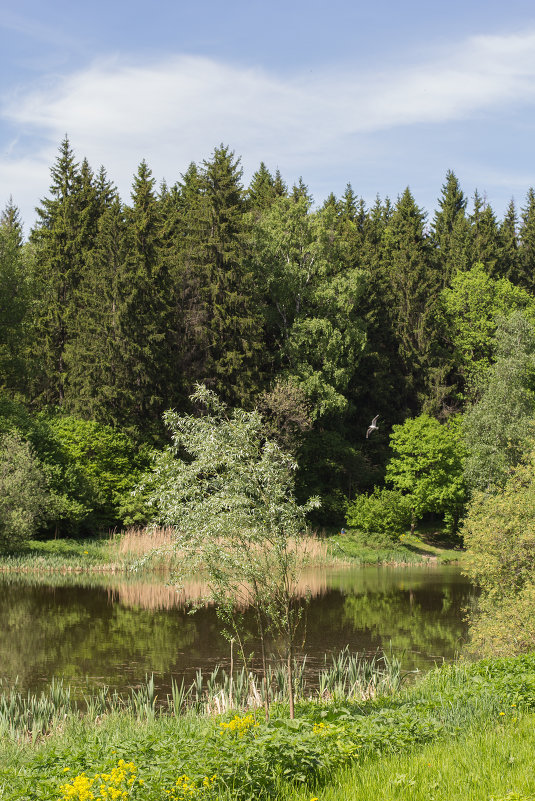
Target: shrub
23,495
381,514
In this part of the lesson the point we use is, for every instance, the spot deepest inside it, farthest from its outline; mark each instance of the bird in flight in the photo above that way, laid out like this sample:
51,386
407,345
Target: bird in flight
373,426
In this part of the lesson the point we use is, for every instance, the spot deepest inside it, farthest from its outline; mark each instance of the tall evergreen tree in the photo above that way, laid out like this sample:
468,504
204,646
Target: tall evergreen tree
413,285
300,191
281,190
261,192
234,316
508,232
450,229
485,239
144,314
59,239
526,255
97,373
14,300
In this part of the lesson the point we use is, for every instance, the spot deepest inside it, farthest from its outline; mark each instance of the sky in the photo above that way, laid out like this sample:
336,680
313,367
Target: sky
383,96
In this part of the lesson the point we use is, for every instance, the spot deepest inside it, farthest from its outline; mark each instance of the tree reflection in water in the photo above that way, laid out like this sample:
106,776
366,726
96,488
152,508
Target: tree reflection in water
115,631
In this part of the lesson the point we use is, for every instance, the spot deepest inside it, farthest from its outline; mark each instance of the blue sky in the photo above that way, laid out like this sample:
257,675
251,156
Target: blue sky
382,96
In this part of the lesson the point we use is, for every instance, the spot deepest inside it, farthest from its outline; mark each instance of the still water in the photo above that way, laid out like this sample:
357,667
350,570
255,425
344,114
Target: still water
117,631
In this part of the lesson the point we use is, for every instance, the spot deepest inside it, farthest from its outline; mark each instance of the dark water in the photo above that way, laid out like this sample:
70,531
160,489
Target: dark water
116,633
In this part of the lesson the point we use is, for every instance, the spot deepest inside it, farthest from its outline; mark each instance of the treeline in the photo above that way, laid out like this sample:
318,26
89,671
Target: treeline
111,312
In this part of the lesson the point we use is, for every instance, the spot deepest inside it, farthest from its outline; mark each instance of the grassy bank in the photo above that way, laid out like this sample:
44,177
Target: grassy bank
490,761
341,747
126,550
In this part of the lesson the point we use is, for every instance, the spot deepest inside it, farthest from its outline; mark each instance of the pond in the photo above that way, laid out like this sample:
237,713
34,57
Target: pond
116,631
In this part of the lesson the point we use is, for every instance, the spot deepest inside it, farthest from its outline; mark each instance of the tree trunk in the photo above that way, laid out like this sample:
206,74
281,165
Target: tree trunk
290,682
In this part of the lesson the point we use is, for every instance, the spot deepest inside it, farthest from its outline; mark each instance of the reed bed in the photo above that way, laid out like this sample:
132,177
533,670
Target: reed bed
141,542
345,676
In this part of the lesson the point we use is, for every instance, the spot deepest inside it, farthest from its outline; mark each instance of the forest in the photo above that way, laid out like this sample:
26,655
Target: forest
113,312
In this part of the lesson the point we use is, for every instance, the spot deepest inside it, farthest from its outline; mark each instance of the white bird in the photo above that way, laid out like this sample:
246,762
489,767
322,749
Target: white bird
373,426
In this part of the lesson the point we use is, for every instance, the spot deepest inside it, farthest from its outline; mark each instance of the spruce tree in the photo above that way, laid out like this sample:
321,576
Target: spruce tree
281,190
412,290
484,235
185,227
508,232
526,254
143,314
60,238
14,300
450,229
261,192
217,317
234,315
97,374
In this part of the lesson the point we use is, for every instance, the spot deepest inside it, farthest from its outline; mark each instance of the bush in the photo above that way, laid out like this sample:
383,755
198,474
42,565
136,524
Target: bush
381,514
499,532
427,466
109,464
23,494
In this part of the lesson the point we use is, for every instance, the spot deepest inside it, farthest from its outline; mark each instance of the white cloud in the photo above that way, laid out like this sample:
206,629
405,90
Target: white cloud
176,110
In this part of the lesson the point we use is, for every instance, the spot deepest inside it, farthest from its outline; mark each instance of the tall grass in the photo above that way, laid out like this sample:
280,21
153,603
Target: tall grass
347,677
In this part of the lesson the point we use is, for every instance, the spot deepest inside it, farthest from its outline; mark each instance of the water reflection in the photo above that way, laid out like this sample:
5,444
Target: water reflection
116,630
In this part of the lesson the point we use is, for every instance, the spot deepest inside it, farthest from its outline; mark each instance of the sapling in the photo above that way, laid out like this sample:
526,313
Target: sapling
229,494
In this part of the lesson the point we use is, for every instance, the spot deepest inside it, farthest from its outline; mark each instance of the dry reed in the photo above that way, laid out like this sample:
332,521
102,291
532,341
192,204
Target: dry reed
138,542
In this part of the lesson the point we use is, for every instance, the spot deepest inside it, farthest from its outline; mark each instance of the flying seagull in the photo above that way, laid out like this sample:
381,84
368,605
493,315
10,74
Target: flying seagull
373,426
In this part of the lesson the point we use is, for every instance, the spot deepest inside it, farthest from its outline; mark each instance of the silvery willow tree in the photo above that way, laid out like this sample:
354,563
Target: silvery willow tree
228,493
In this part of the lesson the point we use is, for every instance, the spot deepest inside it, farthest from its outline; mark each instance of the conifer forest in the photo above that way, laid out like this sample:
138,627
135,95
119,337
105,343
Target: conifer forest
320,316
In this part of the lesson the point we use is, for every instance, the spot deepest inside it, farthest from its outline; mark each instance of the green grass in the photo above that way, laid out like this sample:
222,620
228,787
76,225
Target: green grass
494,761
410,549
462,732
59,554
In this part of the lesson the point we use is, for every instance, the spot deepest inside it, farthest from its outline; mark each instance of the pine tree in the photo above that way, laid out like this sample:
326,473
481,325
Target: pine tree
412,290
60,239
14,299
144,314
526,254
451,230
484,234
508,232
261,192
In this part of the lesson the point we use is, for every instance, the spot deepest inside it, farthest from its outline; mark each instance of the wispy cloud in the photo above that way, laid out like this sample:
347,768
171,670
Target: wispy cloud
177,109
11,21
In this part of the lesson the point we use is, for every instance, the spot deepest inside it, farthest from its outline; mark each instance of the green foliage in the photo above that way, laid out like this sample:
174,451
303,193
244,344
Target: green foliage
427,467
229,494
23,496
382,514
89,469
451,711
111,464
312,301
499,426
499,532
14,300
472,308
412,287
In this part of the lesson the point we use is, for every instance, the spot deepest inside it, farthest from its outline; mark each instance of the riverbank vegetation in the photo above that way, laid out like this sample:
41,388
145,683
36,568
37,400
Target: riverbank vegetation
152,552
165,750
